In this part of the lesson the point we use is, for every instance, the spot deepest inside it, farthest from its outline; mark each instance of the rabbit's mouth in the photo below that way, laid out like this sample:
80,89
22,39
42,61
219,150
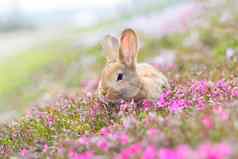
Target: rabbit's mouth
117,99
110,95
113,96
126,93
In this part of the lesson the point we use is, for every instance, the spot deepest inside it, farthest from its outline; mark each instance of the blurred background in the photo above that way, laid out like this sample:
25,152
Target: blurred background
51,47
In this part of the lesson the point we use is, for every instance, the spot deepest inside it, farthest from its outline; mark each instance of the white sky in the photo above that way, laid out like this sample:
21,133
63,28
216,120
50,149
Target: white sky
39,5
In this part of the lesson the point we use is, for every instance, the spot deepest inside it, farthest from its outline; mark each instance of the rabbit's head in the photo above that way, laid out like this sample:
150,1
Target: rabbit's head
119,78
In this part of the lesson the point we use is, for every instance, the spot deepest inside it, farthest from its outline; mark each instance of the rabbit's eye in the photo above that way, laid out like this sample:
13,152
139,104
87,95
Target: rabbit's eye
119,76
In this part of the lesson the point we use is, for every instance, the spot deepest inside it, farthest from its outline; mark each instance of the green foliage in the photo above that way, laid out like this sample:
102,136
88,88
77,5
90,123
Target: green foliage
22,73
221,48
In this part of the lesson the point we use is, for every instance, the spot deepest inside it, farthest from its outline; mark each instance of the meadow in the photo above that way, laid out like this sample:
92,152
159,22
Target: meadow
196,118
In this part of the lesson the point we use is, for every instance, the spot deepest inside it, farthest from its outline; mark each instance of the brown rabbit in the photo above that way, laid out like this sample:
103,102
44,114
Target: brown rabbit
122,77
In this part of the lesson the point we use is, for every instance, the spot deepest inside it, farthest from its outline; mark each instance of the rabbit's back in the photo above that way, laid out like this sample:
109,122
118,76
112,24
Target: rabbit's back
153,81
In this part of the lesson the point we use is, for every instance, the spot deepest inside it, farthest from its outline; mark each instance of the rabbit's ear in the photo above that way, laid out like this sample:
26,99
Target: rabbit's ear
129,47
110,46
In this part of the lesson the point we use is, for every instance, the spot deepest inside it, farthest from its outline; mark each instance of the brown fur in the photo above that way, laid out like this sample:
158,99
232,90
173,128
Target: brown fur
139,80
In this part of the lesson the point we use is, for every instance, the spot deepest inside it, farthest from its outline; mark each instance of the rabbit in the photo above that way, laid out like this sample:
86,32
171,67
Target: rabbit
123,78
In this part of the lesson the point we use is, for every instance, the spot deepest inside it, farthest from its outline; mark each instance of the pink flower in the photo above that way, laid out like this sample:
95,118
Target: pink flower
103,145
224,115
147,104
94,109
84,155
221,113
200,87
150,153
164,99
152,132
60,150
45,148
50,120
181,152
124,106
235,92
201,103
105,131
123,138
219,151
223,85
136,148
72,153
84,140
207,122
184,152
178,105
24,152
130,151
29,114
166,153
216,92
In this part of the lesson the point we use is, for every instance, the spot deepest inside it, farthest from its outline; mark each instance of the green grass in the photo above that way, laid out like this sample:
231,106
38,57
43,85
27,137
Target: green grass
22,73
